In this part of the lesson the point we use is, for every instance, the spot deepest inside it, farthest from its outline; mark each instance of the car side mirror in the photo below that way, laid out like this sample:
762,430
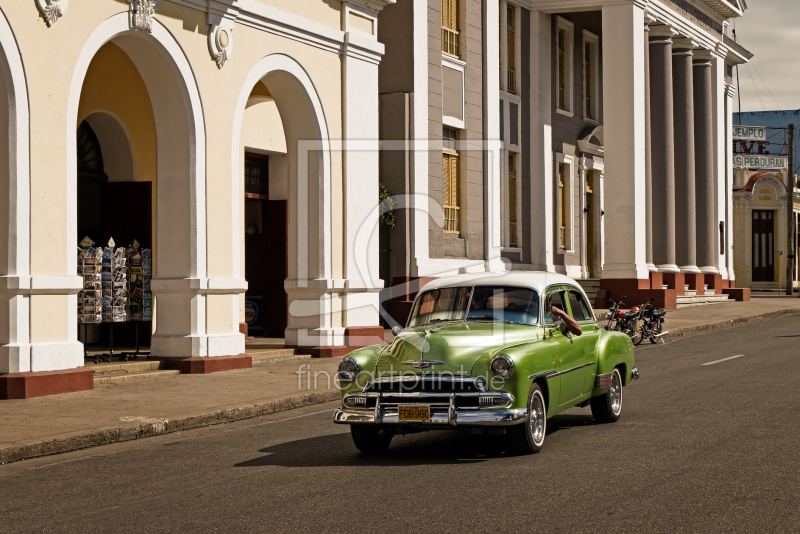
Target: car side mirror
396,329
562,327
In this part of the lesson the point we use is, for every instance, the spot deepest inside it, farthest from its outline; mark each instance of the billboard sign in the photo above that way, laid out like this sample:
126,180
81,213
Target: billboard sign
753,133
755,161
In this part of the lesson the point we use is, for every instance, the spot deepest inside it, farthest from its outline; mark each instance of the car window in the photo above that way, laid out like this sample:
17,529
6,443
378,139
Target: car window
554,298
515,304
580,309
446,304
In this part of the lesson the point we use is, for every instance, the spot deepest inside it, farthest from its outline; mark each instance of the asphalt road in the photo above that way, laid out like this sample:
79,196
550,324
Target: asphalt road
700,448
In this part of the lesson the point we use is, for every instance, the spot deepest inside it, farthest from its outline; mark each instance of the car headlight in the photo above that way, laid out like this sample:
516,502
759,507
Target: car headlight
502,366
348,370
608,315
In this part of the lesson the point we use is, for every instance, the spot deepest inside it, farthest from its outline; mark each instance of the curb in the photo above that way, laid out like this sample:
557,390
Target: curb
674,335
157,427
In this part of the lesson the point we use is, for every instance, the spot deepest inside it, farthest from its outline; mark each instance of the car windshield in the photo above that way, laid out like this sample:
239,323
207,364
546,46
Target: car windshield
487,303
437,305
508,304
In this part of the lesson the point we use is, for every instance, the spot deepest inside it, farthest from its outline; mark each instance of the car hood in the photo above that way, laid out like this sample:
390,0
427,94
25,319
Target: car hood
458,345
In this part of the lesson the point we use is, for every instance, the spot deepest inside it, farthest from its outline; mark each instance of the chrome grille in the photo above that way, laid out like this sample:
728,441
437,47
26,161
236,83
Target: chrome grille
425,384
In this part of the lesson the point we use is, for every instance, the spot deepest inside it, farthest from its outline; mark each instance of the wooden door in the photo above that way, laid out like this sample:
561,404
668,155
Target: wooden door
590,251
763,246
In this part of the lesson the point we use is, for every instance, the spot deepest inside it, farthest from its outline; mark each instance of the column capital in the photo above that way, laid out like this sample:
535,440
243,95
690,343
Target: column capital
685,44
663,30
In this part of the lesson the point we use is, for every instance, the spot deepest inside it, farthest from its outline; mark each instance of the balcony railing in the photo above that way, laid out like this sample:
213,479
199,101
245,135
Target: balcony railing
452,219
450,42
512,81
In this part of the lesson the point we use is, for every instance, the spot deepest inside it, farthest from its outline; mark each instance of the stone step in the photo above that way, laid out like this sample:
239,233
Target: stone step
122,376
590,286
136,366
686,301
275,355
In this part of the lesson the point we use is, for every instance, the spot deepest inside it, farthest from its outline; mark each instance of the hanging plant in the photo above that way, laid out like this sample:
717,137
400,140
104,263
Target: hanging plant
388,204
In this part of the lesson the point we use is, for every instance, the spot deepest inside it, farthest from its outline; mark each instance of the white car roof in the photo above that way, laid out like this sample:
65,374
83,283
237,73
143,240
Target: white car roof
538,280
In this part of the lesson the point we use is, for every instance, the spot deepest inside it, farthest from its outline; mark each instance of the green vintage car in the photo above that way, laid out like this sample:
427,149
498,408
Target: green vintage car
482,353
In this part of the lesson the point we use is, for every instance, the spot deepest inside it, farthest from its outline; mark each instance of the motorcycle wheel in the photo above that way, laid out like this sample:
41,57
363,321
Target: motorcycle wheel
655,332
643,334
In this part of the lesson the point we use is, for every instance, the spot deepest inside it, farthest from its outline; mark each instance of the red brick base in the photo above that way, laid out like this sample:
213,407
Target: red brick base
355,337
696,283
243,329
30,385
714,282
636,292
739,294
212,364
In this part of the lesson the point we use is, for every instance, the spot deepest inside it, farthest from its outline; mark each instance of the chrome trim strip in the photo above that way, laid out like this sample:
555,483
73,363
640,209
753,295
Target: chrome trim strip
459,418
552,373
546,374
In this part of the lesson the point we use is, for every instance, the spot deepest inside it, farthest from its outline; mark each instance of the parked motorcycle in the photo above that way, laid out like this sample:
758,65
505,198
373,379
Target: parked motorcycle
621,321
652,322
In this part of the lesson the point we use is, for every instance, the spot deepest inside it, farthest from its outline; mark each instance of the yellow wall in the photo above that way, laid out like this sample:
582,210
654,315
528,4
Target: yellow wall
50,55
114,85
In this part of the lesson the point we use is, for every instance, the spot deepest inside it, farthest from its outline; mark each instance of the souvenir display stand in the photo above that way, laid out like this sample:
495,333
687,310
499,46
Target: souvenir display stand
116,289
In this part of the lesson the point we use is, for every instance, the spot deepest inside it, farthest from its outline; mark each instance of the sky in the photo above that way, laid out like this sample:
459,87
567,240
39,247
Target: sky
770,29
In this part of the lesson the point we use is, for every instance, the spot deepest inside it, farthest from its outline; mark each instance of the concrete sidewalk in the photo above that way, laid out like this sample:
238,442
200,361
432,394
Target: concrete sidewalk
131,410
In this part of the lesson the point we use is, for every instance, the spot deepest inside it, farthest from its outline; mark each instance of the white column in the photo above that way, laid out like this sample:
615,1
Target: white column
491,128
727,185
419,127
541,144
360,176
722,147
624,134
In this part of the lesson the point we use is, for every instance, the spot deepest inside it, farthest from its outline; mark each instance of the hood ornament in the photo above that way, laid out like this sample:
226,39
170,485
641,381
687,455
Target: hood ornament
422,363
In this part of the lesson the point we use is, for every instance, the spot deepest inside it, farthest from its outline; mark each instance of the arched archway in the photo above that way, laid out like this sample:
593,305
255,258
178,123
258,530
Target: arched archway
15,202
179,282
309,193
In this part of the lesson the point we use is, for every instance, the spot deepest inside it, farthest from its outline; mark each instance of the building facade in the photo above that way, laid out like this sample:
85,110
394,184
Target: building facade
761,199
193,127
588,138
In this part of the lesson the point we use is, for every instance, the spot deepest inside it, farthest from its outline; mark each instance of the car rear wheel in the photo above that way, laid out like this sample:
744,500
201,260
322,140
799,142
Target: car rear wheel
528,437
608,407
370,439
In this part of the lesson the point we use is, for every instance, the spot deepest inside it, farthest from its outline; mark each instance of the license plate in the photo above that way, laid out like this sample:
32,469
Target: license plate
414,413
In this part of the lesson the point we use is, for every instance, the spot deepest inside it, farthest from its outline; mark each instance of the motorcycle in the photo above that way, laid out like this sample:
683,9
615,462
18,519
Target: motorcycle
625,322
652,322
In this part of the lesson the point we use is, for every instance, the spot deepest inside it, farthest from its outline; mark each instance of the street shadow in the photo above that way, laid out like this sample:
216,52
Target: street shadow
441,447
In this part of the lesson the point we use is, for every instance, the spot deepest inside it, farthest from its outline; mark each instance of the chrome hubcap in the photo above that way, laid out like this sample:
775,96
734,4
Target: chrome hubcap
536,421
615,392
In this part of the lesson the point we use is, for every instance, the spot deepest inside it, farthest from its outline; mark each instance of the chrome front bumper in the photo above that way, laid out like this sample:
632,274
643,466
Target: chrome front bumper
444,411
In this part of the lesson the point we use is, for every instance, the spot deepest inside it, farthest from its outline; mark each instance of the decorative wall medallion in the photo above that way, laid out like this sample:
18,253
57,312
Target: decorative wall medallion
220,41
141,14
51,9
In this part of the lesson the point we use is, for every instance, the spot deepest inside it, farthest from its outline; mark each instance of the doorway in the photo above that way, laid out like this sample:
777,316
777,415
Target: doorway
266,265
763,243
591,253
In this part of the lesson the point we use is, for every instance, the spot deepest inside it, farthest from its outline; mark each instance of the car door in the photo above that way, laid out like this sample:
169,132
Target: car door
587,341
570,355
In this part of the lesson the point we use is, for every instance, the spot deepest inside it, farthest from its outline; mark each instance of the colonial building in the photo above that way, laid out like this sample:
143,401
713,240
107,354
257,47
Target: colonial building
200,129
760,202
584,137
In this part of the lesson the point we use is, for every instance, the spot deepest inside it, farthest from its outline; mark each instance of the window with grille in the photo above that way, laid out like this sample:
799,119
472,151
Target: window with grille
256,174
511,49
450,186
450,27
512,200
562,206
588,110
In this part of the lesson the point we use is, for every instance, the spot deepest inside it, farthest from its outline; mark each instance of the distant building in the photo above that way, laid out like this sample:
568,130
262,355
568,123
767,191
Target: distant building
760,201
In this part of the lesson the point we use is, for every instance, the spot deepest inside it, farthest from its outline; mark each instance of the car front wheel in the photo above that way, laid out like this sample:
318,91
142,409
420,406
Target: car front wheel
608,407
370,439
528,438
